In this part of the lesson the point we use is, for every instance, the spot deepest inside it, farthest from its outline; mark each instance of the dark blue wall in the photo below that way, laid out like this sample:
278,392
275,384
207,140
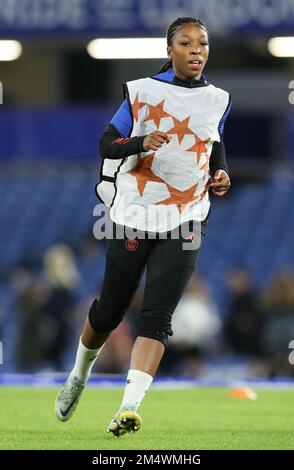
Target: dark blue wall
62,133
73,133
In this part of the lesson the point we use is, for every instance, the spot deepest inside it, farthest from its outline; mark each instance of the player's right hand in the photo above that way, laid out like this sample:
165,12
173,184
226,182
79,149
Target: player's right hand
155,140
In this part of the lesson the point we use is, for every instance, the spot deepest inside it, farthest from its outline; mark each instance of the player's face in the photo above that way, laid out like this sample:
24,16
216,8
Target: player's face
189,51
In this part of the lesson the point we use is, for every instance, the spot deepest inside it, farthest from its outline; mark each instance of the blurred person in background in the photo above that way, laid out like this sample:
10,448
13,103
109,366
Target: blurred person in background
243,324
62,279
196,324
46,305
31,295
170,185
277,303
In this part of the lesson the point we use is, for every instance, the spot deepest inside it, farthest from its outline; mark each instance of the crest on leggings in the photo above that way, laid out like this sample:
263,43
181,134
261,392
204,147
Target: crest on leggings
131,244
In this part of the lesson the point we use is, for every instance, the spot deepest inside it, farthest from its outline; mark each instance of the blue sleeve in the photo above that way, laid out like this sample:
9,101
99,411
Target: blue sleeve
123,120
223,119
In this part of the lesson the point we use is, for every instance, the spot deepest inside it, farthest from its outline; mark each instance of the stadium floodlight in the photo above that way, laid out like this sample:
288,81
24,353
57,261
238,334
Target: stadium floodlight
128,48
10,50
281,46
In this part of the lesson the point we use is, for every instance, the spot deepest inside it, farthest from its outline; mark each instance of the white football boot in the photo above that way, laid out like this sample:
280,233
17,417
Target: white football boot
68,398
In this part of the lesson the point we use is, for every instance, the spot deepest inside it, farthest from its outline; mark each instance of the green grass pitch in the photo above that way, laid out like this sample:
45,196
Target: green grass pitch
198,418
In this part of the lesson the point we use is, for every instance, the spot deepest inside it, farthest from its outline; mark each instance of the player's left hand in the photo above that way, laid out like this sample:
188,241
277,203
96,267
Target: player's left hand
220,183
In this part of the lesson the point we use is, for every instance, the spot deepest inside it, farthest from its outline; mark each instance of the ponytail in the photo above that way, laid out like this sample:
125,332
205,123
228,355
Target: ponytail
168,65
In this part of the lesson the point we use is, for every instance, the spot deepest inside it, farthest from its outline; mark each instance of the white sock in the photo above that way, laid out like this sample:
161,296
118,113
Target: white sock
136,387
85,359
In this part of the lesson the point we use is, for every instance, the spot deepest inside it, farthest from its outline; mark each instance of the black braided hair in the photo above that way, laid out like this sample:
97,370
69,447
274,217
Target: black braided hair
171,32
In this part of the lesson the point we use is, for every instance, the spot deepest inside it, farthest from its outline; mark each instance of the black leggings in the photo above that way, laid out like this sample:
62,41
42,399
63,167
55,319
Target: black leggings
169,269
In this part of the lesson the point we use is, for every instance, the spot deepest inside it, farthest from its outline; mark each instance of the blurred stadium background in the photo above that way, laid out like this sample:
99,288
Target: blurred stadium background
237,317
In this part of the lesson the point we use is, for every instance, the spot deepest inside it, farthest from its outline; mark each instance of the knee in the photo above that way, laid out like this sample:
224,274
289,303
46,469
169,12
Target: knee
156,325
103,319
117,292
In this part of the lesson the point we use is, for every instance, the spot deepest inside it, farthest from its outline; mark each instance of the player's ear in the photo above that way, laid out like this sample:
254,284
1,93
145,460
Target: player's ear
169,52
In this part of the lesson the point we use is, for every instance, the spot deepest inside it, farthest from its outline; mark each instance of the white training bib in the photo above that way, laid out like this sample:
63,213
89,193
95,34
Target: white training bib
159,190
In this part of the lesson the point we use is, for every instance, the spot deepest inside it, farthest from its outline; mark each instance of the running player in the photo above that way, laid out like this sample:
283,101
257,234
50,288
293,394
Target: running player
162,152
